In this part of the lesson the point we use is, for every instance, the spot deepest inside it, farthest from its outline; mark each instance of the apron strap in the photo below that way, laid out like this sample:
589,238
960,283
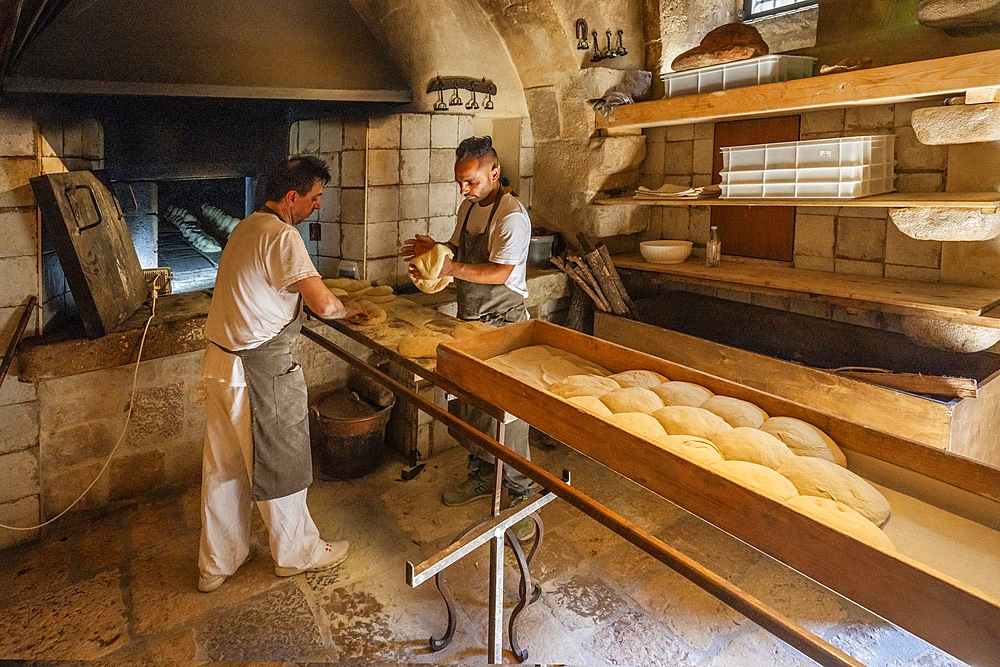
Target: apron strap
489,221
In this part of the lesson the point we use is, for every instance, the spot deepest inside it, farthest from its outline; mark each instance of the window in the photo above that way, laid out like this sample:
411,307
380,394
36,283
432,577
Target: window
755,9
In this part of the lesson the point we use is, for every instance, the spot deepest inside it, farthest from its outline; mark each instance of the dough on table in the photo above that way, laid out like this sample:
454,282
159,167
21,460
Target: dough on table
735,411
749,444
346,284
380,299
685,420
638,378
637,423
583,385
758,478
337,292
695,450
632,399
841,518
380,290
469,329
429,265
682,393
374,315
591,404
421,345
358,293
804,439
818,477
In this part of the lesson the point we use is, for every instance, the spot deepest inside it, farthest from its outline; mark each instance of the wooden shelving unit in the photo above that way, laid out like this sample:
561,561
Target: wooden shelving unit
881,85
987,202
959,303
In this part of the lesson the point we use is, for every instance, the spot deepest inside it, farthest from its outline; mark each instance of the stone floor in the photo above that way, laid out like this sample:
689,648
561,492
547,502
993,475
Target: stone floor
121,588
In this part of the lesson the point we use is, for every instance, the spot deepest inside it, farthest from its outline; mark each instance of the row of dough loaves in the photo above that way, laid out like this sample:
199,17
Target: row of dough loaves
783,458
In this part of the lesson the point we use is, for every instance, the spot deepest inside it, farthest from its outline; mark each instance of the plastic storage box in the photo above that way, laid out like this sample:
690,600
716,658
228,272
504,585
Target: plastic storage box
843,167
739,74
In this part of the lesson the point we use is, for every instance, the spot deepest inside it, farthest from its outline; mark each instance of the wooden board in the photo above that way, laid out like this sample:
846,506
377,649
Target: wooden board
987,202
916,298
88,229
958,619
764,232
880,85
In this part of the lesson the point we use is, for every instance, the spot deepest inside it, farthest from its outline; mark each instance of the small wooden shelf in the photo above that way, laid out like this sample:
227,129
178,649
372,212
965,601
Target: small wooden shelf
987,202
959,303
881,85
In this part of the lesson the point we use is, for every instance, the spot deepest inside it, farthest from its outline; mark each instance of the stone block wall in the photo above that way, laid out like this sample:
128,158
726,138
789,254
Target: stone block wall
848,240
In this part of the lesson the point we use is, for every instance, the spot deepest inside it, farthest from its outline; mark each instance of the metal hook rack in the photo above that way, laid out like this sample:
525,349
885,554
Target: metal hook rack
482,86
608,51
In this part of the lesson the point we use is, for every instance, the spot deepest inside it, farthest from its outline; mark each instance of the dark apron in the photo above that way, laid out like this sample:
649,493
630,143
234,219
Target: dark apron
279,416
493,304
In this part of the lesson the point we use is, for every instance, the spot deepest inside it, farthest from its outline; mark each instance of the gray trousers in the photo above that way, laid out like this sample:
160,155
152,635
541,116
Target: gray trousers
481,461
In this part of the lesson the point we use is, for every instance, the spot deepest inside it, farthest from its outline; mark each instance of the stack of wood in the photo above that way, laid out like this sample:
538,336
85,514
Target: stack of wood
594,272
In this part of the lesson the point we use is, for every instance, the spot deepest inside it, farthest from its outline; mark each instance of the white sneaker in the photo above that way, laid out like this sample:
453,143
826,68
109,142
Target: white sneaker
209,582
332,556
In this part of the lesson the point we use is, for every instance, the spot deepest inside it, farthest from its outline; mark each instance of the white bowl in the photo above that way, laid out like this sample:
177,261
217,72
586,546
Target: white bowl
665,252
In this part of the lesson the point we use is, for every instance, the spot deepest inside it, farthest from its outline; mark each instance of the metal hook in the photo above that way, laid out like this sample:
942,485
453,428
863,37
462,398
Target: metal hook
489,95
581,35
440,104
472,104
597,57
455,99
608,52
621,50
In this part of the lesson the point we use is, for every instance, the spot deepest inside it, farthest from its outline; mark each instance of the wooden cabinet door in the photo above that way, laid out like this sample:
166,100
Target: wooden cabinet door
765,232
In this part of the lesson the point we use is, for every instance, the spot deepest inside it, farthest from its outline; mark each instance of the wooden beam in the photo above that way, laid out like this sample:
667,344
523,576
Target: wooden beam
880,85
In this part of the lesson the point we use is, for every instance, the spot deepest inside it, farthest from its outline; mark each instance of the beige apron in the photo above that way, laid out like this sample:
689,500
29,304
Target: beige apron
279,415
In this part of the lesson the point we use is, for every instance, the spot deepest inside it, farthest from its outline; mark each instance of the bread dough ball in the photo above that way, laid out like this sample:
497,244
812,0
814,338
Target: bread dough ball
374,315
758,478
337,292
429,266
819,477
380,290
749,444
695,450
470,329
682,393
685,420
591,404
584,385
346,284
380,299
735,411
637,423
638,378
632,399
841,518
358,293
421,345
804,439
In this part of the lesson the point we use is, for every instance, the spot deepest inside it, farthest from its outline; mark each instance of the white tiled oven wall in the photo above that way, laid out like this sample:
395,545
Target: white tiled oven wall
848,240
393,177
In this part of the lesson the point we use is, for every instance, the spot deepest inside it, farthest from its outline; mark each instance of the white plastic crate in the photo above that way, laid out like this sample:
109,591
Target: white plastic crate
874,172
750,72
793,190
836,152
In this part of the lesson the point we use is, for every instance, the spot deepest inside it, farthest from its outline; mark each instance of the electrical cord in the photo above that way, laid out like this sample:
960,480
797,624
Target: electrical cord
128,416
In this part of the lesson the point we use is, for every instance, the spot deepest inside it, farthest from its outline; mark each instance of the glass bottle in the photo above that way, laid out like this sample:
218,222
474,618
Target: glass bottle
713,249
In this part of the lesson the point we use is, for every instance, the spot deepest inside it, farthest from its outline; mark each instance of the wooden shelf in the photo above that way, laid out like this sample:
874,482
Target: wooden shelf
987,202
959,303
881,85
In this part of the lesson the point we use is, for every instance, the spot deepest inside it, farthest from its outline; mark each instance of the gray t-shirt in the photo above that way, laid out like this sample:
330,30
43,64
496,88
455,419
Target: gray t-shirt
510,235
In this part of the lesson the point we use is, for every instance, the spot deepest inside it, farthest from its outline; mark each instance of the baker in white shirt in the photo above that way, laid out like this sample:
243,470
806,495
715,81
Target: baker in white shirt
256,411
490,243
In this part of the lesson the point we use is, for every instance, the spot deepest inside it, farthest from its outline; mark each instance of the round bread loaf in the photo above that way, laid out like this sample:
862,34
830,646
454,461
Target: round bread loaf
632,399
685,420
637,423
750,444
373,315
819,477
736,411
591,404
583,385
804,439
682,393
695,450
638,378
841,518
758,478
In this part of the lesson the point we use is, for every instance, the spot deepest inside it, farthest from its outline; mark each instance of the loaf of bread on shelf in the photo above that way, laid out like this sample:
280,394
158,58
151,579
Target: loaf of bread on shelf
749,444
632,399
735,411
818,477
682,393
684,420
804,439
727,43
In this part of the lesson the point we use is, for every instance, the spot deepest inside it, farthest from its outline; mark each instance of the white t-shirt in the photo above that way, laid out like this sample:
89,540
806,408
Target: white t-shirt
251,303
510,236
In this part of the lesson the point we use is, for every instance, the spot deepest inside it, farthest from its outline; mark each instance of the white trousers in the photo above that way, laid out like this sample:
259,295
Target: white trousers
226,506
